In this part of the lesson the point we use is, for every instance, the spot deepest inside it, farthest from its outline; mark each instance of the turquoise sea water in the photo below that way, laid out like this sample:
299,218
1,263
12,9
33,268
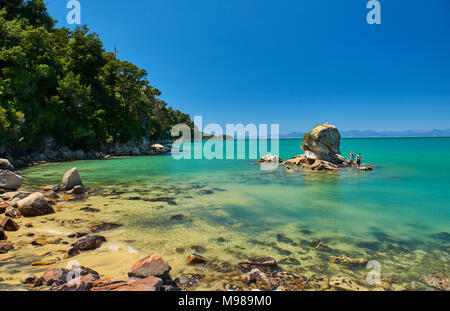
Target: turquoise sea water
398,214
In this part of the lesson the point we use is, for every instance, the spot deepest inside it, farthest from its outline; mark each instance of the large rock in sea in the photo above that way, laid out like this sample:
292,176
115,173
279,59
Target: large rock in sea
71,179
323,143
10,180
322,148
34,205
6,165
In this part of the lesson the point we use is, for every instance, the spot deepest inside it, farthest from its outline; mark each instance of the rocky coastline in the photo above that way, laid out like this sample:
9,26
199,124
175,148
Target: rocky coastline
50,152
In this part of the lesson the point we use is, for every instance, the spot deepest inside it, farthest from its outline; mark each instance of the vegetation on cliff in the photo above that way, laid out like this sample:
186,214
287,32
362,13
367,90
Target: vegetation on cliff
59,83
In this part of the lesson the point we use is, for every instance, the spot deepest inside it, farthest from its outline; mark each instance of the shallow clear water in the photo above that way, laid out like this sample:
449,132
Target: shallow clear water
234,210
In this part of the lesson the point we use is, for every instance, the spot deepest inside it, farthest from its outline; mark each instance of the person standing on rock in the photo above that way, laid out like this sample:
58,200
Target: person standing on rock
358,160
351,158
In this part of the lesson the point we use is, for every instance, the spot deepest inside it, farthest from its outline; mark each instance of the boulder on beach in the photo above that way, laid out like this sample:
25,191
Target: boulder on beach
34,205
10,180
150,265
71,179
6,165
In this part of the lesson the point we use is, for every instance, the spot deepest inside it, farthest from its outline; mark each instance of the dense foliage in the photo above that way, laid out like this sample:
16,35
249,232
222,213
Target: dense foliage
62,84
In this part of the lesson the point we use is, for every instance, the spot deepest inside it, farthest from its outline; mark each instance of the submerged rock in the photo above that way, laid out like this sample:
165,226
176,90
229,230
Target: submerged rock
34,205
196,259
150,265
346,284
71,179
441,283
102,226
77,190
265,264
10,180
5,246
347,260
86,243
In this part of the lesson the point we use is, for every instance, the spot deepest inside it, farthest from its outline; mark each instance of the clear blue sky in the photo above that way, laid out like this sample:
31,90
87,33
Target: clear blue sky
296,63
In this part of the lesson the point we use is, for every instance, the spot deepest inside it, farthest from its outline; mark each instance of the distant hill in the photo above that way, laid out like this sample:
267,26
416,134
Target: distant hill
385,134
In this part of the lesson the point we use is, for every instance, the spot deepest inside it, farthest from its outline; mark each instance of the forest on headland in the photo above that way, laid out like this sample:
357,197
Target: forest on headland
62,84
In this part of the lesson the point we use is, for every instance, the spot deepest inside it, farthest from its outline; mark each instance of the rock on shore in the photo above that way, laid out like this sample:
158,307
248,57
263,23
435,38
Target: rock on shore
34,205
151,265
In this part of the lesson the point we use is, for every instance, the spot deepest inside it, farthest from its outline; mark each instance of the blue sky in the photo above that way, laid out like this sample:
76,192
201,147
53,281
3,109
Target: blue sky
296,63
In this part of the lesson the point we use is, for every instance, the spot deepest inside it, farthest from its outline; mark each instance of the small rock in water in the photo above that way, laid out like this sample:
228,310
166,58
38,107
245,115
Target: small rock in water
265,264
90,210
289,261
319,245
196,259
87,243
44,241
28,279
71,179
77,190
284,239
347,260
77,235
5,246
198,249
134,198
206,192
102,226
54,188
346,284
178,217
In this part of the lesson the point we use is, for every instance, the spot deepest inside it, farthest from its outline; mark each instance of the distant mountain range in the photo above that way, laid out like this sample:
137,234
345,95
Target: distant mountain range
386,134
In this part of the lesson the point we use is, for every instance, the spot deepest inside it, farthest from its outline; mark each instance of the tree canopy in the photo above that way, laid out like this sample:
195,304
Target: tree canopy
61,83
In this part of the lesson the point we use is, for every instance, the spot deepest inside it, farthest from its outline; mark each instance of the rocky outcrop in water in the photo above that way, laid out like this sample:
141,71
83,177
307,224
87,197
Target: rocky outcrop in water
322,151
323,143
71,179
